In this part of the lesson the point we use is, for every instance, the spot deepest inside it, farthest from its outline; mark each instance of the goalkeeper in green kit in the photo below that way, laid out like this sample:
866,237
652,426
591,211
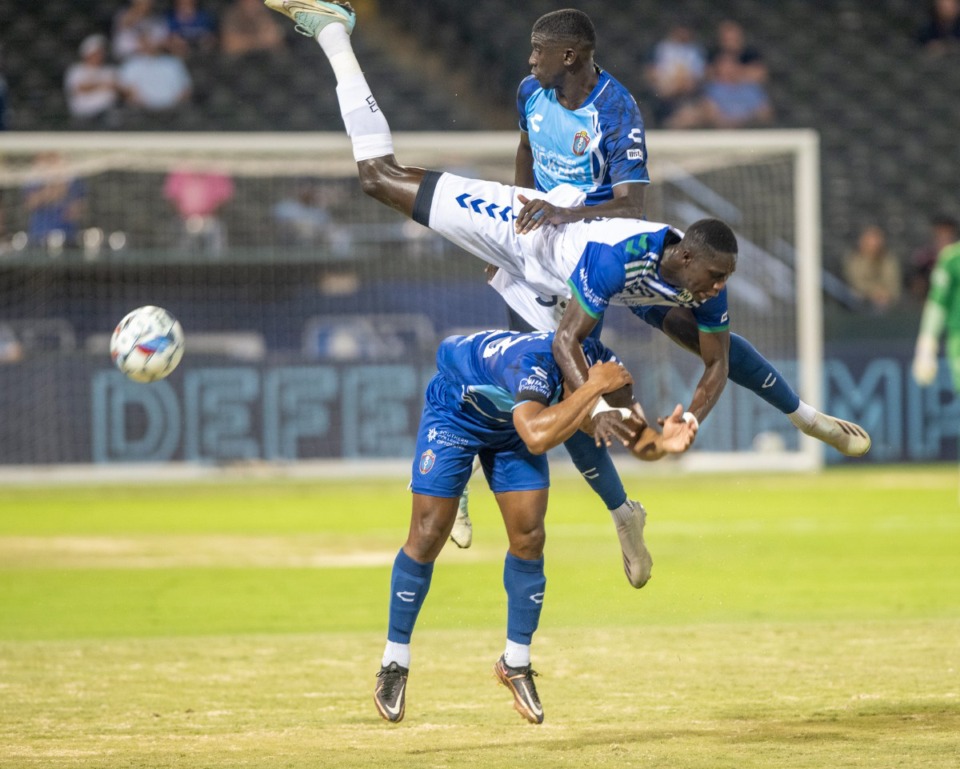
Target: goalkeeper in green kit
941,310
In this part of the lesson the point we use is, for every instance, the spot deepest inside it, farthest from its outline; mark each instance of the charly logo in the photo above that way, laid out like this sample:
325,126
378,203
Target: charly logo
427,460
580,142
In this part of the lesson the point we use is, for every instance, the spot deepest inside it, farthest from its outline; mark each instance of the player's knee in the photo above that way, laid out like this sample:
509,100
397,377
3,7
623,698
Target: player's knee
528,544
427,536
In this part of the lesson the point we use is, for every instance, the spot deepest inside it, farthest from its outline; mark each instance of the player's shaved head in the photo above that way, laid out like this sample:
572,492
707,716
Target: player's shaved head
567,25
711,236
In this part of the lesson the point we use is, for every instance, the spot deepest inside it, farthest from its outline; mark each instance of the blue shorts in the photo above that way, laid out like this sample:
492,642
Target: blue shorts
449,438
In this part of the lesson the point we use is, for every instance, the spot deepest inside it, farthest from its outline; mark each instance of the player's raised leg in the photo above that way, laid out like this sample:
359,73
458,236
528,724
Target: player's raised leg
748,368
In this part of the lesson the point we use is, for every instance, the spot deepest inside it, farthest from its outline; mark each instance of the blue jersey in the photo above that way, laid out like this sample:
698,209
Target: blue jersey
468,406
595,147
489,373
619,263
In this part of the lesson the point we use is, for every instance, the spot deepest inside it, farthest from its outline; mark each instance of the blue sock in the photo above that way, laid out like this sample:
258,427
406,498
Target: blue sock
748,368
409,585
595,465
525,583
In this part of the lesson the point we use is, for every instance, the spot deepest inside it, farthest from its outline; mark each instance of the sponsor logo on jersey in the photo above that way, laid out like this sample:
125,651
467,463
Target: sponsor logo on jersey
634,154
580,143
427,460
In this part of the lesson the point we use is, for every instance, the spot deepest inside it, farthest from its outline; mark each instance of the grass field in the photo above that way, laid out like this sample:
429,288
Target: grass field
792,621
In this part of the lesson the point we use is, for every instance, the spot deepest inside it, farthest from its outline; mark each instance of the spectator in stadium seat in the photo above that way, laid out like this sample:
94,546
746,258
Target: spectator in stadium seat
941,32
247,27
91,86
729,100
153,80
55,203
136,25
731,40
192,29
944,230
873,272
197,197
675,71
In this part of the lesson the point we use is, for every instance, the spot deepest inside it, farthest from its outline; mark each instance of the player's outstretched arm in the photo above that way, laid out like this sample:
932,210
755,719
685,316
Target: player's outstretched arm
715,353
677,436
627,203
543,427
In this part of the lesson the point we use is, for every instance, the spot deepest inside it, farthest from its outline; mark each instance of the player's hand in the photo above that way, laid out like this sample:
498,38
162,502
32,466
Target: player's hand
924,367
609,375
535,213
610,426
678,434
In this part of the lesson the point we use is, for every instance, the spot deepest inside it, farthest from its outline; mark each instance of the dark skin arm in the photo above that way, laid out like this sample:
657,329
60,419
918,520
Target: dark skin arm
574,328
715,353
543,427
627,201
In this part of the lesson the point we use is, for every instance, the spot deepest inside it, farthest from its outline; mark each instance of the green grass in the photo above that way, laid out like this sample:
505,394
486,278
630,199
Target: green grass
792,621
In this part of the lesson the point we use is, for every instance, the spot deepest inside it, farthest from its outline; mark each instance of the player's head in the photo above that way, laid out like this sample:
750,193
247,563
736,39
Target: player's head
705,258
560,41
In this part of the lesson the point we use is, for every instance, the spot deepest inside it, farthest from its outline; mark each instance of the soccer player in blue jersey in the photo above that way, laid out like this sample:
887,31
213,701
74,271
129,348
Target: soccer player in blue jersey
496,395
579,126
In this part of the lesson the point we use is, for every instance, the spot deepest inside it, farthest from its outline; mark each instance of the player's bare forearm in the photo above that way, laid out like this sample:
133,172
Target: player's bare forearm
715,352
626,203
574,328
523,166
543,427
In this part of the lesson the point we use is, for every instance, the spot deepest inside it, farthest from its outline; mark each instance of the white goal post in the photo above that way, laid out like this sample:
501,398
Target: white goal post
262,296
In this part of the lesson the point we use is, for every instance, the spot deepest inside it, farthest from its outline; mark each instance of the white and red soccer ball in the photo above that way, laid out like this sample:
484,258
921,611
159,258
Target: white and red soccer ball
147,344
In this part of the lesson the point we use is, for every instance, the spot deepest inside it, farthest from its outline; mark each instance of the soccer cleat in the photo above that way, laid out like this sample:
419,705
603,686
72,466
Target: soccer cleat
311,16
390,694
520,683
462,532
846,437
637,561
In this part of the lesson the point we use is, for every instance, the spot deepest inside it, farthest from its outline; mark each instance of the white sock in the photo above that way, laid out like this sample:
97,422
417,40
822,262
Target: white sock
366,126
623,513
516,655
803,416
395,652
335,42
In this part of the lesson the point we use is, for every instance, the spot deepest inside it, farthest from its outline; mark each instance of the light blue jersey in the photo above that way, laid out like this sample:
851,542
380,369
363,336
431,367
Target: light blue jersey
595,147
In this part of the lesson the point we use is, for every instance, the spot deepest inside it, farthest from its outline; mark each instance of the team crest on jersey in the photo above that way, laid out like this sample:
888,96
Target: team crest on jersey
427,460
580,143
684,296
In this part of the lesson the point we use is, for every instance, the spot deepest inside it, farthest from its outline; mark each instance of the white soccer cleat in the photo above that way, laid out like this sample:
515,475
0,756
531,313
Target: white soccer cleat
848,438
637,561
462,532
311,16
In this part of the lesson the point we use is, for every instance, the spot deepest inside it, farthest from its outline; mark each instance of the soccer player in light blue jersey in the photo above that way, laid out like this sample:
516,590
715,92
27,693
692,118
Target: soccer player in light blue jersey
496,396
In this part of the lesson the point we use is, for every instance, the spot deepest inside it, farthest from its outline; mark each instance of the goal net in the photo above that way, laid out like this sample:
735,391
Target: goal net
312,313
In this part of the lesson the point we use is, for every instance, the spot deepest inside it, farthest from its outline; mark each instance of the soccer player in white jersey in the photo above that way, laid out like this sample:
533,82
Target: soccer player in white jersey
496,396
580,126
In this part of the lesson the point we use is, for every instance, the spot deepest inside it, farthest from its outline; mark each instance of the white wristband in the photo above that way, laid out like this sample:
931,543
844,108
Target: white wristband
602,406
690,419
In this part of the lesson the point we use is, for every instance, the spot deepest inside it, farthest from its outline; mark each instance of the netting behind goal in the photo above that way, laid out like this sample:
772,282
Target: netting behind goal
312,313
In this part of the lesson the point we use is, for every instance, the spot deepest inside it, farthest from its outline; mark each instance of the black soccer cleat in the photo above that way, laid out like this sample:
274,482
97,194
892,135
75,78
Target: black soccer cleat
520,683
390,694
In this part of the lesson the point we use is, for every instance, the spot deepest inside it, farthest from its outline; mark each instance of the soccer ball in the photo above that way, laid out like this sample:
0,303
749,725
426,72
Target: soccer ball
147,344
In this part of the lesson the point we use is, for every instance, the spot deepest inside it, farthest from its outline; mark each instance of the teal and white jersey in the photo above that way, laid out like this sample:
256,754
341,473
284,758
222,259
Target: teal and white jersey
595,147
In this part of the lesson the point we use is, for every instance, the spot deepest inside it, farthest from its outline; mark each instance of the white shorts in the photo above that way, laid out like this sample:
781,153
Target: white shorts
478,216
